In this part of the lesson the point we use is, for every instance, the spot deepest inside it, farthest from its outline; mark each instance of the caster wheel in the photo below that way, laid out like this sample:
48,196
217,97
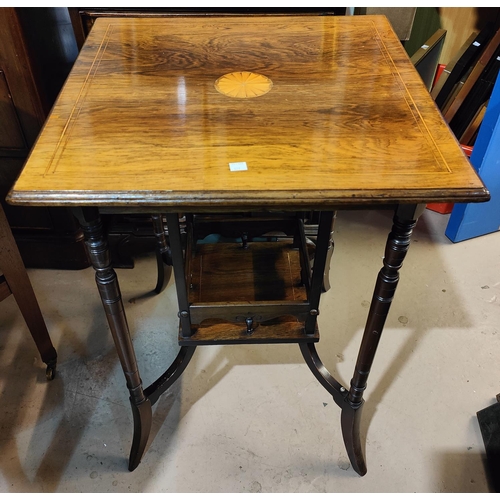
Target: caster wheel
50,372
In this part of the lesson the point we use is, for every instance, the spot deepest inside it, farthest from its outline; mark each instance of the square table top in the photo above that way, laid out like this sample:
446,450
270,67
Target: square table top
322,111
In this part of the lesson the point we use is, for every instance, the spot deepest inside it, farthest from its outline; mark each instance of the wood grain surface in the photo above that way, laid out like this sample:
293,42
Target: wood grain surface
348,120
282,330
226,272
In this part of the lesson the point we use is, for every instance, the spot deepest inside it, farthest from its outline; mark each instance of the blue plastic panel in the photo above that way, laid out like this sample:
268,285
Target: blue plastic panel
468,220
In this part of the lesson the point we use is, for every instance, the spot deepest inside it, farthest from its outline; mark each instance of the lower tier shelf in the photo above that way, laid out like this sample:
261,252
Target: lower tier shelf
272,332
266,276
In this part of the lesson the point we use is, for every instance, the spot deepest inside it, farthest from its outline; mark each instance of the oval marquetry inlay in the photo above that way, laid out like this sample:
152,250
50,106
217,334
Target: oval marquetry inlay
243,84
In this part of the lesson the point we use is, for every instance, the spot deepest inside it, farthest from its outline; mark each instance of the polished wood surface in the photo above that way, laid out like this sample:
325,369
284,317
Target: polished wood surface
261,281
227,272
347,121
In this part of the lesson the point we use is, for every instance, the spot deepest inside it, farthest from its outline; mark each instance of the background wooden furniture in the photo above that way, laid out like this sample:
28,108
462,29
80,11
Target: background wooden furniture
37,50
83,18
15,281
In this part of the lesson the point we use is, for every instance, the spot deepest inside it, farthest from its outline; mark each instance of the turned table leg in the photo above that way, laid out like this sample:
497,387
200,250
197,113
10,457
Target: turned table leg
107,283
396,248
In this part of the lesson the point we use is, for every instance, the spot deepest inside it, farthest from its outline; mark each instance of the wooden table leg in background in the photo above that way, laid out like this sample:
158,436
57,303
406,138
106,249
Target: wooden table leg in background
12,267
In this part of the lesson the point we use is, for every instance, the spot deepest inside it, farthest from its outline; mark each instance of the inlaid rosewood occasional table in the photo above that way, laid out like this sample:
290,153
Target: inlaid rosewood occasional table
244,125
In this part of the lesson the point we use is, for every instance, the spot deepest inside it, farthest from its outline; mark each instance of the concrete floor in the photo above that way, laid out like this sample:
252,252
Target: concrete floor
253,418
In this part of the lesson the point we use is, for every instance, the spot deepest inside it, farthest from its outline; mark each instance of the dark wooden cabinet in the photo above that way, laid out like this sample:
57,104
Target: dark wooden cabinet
37,50
83,18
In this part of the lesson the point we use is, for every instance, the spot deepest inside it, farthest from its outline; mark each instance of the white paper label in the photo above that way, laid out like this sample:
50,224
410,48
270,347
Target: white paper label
476,44
238,166
425,46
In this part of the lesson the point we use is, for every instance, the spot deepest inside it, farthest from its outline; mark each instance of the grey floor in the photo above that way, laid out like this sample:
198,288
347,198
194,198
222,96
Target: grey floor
253,418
